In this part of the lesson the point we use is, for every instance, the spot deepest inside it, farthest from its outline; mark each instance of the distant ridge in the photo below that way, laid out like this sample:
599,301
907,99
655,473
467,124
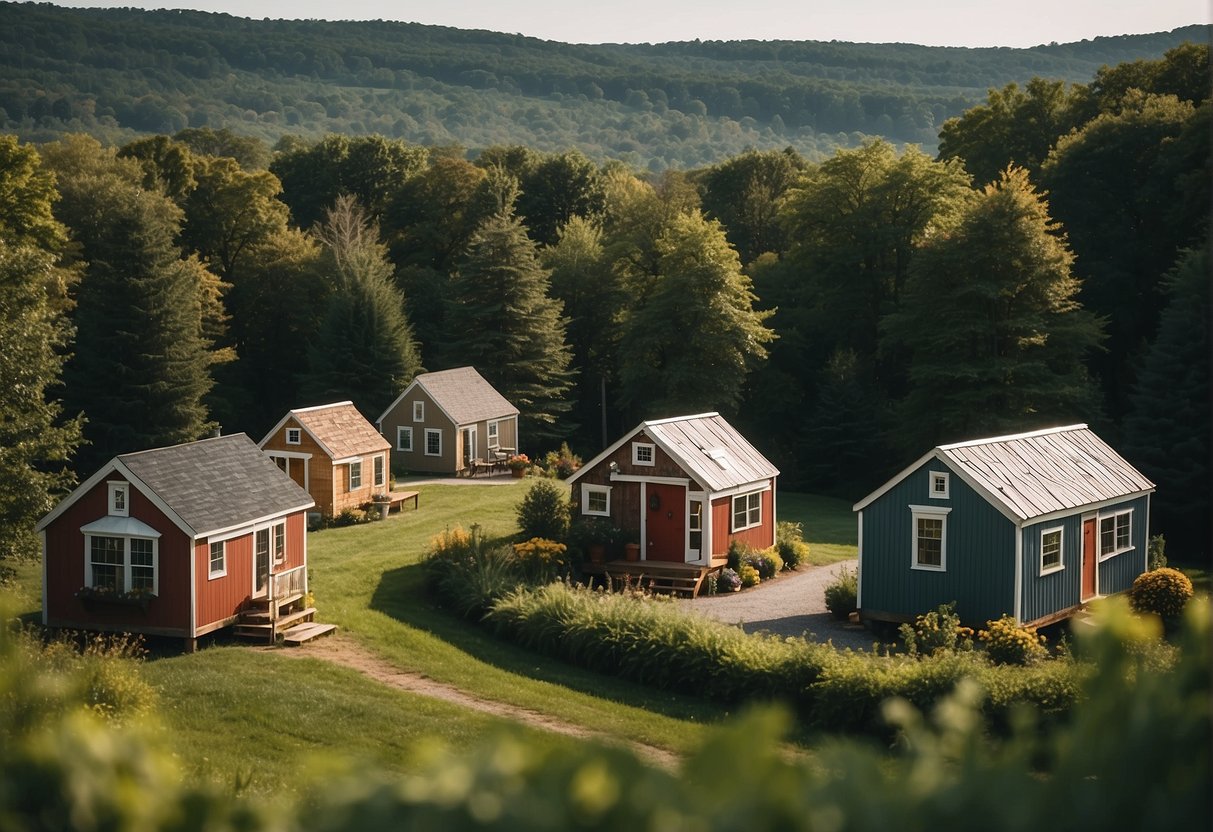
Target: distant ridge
119,73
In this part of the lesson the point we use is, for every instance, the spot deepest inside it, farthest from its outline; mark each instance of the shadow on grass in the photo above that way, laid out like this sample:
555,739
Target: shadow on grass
402,595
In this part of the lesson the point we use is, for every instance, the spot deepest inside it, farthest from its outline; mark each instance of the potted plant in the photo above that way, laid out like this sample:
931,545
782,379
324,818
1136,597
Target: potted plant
518,465
631,550
382,503
594,536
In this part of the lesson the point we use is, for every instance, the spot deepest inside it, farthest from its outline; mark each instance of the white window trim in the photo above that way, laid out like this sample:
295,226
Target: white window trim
493,434
586,490
929,513
379,470
126,559
1061,551
349,475
1099,534
418,411
213,573
113,489
652,448
750,524
401,432
437,432
297,433
947,485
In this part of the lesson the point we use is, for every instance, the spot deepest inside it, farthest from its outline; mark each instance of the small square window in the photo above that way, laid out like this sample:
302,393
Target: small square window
1115,534
218,559
418,411
747,511
294,436
929,538
404,439
939,485
355,475
643,453
1050,550
119,492
433,442
596,500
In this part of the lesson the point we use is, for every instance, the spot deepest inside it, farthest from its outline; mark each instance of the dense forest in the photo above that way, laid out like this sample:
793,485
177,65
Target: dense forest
120,73
1049,265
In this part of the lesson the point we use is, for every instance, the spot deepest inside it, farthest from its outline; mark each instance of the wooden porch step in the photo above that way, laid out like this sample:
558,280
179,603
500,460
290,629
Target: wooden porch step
302,633
263,617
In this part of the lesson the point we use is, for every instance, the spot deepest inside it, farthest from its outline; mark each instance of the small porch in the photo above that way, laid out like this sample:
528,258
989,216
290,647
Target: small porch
657,576
282,611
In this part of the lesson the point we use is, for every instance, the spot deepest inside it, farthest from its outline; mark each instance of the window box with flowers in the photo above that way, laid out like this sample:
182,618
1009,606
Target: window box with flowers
106,598
518,465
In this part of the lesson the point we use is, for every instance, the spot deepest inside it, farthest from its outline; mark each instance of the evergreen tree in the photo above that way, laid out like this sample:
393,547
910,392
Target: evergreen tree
142,361
990,319
842,449
503,322
688,346
364,349
1168,430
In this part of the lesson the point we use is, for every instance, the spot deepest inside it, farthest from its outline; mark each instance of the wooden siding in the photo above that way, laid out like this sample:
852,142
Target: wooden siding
1117,573
328,484
759,537
979,553
221,598
167,614
416,460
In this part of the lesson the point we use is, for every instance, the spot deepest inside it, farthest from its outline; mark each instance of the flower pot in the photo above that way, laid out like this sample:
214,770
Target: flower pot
631,551
597,553
517,473
383,508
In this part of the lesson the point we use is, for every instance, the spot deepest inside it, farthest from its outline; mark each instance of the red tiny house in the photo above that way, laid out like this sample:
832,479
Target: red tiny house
161,542
673,485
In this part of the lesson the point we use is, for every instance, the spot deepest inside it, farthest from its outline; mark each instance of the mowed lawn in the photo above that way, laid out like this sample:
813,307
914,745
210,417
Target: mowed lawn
265,721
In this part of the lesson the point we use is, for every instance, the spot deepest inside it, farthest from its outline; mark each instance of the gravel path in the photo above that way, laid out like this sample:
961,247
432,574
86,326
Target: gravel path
791,605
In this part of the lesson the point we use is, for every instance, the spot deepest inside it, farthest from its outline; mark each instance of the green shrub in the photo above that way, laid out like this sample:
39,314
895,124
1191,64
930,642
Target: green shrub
560,464
1156,550
544,511
467,574
768,563
738,551
937,630
789,542
749,576
842,593
1008,643
541,560
1163,592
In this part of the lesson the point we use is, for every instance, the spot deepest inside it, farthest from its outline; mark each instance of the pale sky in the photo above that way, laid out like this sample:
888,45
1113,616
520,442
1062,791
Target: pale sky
936,23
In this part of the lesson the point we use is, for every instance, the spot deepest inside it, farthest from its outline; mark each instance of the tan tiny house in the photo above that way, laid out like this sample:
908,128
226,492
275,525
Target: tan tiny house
444,422
333,453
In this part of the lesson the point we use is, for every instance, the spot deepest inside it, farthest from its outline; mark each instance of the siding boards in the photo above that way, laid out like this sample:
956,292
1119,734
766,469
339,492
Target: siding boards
1117,573
980,553
1046,594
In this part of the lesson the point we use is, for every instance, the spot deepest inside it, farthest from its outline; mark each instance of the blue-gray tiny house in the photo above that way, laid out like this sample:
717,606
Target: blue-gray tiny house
1032,525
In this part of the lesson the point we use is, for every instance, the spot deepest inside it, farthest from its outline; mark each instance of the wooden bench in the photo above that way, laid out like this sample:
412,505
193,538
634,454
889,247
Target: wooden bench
396,499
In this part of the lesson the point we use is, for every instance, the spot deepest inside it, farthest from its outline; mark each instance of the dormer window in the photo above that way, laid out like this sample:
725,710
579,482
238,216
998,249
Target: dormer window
293,436
119,492
643,453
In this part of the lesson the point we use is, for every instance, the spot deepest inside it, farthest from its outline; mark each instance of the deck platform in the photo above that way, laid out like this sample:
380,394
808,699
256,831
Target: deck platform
657,575
303,633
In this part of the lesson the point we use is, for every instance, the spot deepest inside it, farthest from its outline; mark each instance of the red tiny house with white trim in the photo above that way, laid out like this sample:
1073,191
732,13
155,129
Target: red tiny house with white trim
166,542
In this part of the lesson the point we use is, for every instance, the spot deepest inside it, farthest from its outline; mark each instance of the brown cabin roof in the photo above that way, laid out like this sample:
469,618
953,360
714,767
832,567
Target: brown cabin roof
341,429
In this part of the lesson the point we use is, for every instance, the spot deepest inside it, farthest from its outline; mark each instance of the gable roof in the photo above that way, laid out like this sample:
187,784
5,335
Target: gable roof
1029,475
204,487
462,394
705,446
337,428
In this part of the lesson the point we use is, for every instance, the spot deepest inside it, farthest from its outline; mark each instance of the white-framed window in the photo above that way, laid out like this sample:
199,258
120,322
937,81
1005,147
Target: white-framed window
491,430
418,411
119,499
294,436
433,442
1115,533
747,511
940,483
123,564
379,471
355,469
929,544
404,438
218,559
596,500
279,543
1051,551
644,453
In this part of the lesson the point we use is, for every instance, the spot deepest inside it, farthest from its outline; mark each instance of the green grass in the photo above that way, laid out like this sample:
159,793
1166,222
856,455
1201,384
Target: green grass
269,721
828,523
24,591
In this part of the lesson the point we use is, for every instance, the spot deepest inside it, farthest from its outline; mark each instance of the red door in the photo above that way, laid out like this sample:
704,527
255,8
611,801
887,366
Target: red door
665,513
1089,537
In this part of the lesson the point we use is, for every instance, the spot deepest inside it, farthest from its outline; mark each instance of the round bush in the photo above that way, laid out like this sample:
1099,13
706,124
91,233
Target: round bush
749,575
1008,643
544,511
842,594
1163,592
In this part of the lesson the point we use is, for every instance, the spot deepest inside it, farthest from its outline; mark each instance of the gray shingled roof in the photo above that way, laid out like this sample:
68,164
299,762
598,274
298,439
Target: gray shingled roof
465,395
711,450
217,483
1038,473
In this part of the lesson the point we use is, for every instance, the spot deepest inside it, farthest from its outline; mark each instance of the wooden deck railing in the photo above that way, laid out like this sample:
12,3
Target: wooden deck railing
290,582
